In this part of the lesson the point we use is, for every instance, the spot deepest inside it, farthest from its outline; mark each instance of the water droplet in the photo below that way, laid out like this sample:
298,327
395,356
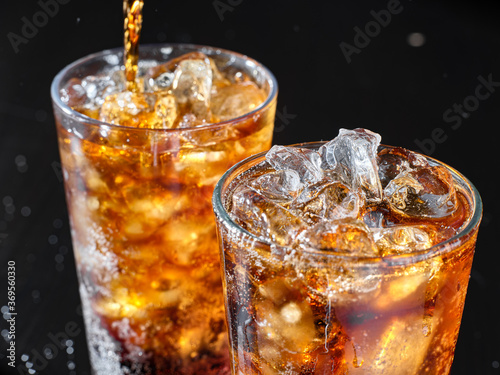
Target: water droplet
48,353
53,239
20,160
57,223
40,115
7,200
416,39
36,296
22,168
26,211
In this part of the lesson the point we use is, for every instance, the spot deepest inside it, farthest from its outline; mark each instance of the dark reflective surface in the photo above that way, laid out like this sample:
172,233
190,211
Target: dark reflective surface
441,97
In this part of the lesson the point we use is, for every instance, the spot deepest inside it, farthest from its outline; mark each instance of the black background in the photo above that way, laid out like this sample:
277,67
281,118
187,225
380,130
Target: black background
390,87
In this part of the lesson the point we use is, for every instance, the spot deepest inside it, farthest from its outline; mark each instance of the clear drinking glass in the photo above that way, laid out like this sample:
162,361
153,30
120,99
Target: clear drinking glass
307,311
142,224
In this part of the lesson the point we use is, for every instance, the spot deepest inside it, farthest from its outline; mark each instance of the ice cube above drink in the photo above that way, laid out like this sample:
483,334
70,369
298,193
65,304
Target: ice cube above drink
140,163
184,92
345,257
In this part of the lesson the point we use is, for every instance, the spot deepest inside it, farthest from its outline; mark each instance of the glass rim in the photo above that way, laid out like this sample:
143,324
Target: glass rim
81,118
410,258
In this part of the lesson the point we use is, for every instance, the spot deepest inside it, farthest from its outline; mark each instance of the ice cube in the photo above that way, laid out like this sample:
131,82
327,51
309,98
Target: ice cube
344,236
98,87
403,239
305,162
191,86
401,349
393,161
73,93
159,83
156,77
422,192
88,94
265,218
327,201
284,318
294,334
169,67
187,242
160,76
281,186
378,216
189,120
311,190
165,112
351,156
402,291
121,303
128,108
235,100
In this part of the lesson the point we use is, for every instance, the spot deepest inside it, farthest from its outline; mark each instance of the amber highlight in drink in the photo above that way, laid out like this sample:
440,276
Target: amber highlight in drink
139,170
316,283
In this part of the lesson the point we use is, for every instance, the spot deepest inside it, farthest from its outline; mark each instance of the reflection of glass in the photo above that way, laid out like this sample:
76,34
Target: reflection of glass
307,311
143,228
